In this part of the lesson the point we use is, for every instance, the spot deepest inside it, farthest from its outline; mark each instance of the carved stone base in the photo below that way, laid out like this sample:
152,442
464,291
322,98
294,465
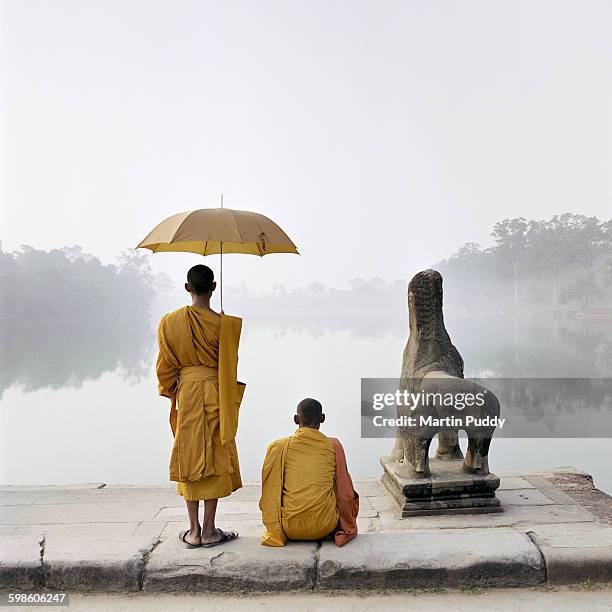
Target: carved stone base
448,490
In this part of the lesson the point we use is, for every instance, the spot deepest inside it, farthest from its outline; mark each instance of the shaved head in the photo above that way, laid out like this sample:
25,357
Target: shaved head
310,413
200,279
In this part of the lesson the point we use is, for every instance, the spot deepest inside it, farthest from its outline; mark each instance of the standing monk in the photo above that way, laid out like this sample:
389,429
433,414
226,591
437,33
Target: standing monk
197,369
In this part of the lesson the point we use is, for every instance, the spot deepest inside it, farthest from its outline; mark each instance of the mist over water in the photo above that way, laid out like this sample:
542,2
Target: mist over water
79,400
78,392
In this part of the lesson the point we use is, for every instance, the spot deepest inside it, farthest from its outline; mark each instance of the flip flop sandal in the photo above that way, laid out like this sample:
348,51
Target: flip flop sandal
226,536
183,535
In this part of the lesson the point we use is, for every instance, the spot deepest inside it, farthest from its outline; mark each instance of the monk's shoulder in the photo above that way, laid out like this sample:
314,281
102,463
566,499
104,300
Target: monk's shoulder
276,445
278,442
231,321
335,442
230,316
173,316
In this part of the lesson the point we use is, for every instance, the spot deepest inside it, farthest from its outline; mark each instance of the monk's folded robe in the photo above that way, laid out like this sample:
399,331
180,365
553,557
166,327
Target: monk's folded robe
197,367
307,492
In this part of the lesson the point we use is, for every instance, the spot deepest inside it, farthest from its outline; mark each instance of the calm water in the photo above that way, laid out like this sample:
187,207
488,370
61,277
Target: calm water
79,404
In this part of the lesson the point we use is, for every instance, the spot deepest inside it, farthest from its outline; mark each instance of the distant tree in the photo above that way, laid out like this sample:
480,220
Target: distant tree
315,288
467,274
532,254
584,288
567,242
70,284
536,294
511,243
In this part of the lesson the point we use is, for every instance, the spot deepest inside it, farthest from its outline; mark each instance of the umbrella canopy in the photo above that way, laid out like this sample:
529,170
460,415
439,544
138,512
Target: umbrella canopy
210,231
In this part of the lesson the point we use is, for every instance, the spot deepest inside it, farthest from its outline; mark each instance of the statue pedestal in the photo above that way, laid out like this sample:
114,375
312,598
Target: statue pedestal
448,490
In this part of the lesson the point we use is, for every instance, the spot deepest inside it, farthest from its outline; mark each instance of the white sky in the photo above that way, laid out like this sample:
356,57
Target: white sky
381,135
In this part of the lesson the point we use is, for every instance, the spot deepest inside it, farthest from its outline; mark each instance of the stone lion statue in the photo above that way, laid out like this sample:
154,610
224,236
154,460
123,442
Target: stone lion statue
432,364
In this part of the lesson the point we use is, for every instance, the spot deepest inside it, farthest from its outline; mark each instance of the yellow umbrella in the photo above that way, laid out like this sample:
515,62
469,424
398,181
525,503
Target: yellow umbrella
211,231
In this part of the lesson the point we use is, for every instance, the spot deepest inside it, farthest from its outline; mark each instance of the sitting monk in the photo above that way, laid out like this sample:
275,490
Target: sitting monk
307,492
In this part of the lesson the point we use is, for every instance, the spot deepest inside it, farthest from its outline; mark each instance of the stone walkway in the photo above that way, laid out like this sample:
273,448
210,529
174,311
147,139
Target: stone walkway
555,527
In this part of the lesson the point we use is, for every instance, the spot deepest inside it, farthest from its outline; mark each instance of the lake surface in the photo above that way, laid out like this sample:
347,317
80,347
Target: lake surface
80,404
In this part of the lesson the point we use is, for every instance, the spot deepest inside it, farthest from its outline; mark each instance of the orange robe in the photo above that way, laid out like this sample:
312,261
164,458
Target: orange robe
196,368
307,492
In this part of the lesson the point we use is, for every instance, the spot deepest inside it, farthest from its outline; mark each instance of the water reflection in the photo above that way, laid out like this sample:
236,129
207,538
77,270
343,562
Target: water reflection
359,325
502,346
42,354
283,358
35,355
494,345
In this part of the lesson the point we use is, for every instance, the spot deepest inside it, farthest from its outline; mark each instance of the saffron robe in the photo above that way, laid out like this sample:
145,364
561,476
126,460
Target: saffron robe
307,492
197,368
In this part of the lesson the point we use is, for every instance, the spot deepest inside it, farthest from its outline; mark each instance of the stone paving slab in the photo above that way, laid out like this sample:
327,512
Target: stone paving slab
575,553
94,512
242,565
76,496
370,488
524,497
558,496
71,529
97,562
559,514
367,512
69,487
500,557
384,503
512,515
513,482
152,529
231,506
366,525
547,472
248,493
20,561
228,508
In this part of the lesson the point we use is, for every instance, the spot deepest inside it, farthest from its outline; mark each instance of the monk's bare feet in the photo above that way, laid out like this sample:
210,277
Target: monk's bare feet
191,537
208,537
216,537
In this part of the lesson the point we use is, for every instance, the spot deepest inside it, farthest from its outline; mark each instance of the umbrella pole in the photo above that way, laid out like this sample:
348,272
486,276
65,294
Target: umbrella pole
221,267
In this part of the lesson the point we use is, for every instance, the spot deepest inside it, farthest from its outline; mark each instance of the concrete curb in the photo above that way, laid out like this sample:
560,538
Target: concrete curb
448,558
242,565
556,528
575,553
21,562
109,565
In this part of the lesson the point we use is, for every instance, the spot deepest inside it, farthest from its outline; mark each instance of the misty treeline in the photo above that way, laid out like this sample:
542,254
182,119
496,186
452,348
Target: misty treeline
360,296
65,317
69,284
564,263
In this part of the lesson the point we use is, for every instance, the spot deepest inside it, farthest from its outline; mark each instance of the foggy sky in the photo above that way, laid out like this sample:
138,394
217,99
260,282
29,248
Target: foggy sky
380,135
